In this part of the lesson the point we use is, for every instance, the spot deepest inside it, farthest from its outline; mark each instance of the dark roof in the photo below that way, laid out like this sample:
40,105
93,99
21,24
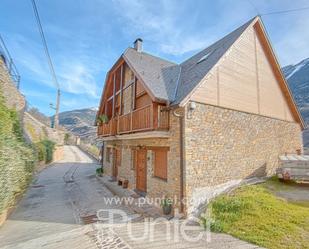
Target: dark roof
171,82
159,75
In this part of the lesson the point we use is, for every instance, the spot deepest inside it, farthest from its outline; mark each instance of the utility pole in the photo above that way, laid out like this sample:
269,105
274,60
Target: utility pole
56,118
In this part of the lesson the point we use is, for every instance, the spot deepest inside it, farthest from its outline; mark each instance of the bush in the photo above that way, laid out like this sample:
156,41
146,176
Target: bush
45,150
66,138
99,171
17,159
41,152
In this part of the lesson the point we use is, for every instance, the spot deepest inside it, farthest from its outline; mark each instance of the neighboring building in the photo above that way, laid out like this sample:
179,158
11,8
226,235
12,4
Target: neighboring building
187,129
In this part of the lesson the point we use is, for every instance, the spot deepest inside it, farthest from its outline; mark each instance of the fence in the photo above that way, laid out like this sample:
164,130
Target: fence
8,61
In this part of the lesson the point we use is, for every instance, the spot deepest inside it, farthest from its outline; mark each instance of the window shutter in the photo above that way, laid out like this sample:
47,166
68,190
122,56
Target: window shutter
160,164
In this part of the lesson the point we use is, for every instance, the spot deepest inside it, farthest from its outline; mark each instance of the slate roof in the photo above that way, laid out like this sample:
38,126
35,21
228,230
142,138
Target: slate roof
171,82
158,74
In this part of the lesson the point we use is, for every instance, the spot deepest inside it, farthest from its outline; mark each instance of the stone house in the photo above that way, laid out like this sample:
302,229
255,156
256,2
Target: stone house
186,130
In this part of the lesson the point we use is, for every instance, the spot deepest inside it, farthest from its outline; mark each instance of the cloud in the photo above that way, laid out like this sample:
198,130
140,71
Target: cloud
292,42
178,27
75,75
160,22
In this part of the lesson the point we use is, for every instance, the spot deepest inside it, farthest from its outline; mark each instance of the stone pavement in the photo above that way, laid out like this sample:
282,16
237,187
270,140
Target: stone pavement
138,204
51,215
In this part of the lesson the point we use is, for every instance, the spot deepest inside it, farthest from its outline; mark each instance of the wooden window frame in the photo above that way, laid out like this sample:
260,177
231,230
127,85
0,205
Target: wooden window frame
156,174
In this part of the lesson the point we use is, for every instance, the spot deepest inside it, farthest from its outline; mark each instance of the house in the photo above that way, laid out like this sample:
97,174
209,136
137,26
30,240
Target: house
185,130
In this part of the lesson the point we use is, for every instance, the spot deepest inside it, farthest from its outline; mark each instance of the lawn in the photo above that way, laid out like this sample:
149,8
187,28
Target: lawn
258,215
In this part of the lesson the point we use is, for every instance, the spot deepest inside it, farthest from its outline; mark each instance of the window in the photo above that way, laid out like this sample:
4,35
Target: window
160,163
108,154
204,57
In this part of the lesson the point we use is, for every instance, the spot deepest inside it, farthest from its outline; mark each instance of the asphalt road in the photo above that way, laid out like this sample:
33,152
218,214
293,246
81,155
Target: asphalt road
50,215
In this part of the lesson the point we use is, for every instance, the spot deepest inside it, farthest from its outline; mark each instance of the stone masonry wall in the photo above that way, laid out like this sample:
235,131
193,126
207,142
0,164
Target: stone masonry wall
224,145
36,131
155,186
13,98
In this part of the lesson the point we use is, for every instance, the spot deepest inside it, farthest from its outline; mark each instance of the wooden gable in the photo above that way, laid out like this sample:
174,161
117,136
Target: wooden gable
122,76
248,78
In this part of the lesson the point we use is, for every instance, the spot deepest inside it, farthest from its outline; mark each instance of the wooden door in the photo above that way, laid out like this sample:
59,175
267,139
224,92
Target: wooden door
117,161
141,170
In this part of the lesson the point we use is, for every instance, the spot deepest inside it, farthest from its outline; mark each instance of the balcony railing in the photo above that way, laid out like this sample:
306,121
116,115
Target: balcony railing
150,117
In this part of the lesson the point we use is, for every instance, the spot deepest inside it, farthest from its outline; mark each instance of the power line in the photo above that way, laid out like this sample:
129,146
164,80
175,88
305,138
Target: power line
285,11
51,67
254,7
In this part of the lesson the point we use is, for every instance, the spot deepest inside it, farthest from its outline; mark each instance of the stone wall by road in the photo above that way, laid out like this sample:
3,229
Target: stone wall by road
13,98
36,131
224,145
155,187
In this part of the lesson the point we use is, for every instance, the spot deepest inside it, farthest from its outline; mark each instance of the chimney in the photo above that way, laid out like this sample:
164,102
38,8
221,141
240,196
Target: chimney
138,45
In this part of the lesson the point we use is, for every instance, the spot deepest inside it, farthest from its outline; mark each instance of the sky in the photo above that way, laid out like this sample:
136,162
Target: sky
85,38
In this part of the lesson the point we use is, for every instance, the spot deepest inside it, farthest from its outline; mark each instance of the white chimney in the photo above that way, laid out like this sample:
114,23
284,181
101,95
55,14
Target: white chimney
138,45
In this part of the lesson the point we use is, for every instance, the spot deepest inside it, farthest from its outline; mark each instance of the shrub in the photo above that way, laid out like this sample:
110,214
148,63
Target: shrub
41,152
17,159
45,150
99,171
66,138
49,147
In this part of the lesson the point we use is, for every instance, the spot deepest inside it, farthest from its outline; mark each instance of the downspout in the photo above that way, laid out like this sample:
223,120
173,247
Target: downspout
181,118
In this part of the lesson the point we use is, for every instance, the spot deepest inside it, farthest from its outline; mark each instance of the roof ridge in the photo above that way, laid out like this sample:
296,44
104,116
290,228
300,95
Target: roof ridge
221,39
155,56
187,84
177,84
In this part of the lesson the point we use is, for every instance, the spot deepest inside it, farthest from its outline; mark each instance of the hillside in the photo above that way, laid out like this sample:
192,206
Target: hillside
298,79
80,122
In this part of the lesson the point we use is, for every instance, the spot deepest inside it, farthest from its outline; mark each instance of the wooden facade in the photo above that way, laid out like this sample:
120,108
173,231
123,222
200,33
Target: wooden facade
248,79
128,106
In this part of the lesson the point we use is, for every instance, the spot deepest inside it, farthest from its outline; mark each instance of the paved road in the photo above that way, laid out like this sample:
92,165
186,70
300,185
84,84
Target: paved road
50,215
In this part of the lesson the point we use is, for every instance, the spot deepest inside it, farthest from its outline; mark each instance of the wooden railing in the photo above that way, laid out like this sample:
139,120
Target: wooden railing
124,123
150,117
163,118
104,129
142,118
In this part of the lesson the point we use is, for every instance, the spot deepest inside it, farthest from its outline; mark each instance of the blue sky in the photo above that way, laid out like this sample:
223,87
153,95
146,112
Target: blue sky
86,37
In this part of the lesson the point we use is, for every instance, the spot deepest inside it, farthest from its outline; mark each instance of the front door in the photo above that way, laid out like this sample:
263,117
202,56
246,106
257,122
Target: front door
117,161
141,170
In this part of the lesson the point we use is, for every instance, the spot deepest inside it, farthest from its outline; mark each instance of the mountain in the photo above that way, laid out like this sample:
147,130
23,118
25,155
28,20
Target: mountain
80,122
298,80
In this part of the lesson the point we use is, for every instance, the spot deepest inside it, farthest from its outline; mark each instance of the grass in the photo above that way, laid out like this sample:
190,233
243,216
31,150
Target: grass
255,214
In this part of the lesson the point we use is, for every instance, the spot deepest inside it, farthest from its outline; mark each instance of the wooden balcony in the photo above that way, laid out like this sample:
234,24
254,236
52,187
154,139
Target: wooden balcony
147,118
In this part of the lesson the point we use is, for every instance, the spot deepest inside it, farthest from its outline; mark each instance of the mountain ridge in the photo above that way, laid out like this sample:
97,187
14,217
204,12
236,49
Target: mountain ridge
297,76
80,122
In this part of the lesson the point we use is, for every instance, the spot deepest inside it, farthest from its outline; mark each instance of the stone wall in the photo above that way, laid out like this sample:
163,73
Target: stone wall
224,146
155,187
13,98
36,131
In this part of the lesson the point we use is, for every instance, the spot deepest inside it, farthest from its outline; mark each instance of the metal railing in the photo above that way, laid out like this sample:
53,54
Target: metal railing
9,63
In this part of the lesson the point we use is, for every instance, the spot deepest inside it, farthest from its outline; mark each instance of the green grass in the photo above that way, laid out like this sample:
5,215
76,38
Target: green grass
255,214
